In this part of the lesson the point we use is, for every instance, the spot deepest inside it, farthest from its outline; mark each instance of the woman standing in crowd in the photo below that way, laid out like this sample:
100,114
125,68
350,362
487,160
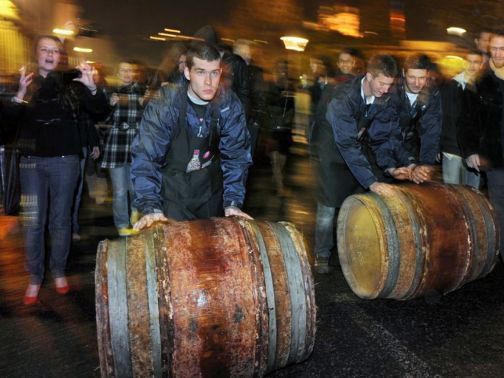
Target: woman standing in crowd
47,108
128,104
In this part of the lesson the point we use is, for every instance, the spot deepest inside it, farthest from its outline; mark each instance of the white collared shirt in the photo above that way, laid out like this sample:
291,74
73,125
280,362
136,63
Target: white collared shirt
411,97
367,99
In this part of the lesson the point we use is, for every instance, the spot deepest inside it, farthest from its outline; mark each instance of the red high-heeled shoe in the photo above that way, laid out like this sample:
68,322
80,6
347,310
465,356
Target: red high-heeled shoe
62,289
61,285
31,299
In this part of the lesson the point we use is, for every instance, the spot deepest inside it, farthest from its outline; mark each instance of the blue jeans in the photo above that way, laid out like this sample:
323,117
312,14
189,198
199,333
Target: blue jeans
47,191
121,187
324,230
78,192
456,172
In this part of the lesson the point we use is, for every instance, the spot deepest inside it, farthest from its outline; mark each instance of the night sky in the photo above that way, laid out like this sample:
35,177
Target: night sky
129,24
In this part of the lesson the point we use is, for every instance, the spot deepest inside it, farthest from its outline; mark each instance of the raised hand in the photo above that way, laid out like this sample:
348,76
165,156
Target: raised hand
87,76
24,82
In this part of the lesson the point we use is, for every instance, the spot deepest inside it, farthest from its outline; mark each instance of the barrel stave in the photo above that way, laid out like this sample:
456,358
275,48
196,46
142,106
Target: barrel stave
138,309
214,318
446,259
282,295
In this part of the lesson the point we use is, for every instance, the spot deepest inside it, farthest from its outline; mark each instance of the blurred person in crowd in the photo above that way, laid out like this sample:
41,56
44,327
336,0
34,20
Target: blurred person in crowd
419,109
192,152
474,63
343,73
280,111
48,106
127,102
454,93
257,88
90,143
147,78
322,73
483,128
346,65
176,76
482,42
95,175
358,143
173,63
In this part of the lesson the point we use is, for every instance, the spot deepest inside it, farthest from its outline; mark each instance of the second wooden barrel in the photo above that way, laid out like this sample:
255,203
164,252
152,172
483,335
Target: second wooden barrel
420,240
208,298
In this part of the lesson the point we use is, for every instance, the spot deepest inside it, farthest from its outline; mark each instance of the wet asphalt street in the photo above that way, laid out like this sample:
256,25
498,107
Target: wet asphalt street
460,334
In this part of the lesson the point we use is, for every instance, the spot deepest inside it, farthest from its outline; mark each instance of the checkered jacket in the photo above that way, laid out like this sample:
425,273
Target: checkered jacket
123,120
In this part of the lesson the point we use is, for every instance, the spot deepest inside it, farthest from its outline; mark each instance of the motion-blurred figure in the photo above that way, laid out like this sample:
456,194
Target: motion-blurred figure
257,90
96,176
280,111
90,143
455,95
482,42
484,128
127,102
346,65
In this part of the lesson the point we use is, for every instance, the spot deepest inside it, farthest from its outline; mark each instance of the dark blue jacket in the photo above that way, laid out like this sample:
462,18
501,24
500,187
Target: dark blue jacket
159,122
420,125
346,113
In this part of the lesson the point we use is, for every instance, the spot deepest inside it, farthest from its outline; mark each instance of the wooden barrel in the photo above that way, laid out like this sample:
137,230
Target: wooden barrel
218,297
422,239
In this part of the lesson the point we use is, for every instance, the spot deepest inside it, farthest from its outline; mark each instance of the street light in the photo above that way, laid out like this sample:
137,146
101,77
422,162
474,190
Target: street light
294,43
64,32
455,30
82,50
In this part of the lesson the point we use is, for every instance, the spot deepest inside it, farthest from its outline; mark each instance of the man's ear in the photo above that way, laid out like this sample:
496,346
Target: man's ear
186,73
369,76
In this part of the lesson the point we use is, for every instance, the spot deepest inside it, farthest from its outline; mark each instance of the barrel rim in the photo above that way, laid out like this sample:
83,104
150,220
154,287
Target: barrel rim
343,254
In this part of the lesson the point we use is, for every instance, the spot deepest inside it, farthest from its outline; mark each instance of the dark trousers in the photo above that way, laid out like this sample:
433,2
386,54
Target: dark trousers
325,233
495,182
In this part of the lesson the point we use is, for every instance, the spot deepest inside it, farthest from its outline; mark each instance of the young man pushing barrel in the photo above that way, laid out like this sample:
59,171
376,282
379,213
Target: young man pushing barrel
359,147
192,152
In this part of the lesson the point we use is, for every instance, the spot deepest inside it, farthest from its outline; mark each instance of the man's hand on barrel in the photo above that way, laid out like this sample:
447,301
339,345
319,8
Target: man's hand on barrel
402,173
421,173
473,162
382,188
148,219
232,210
